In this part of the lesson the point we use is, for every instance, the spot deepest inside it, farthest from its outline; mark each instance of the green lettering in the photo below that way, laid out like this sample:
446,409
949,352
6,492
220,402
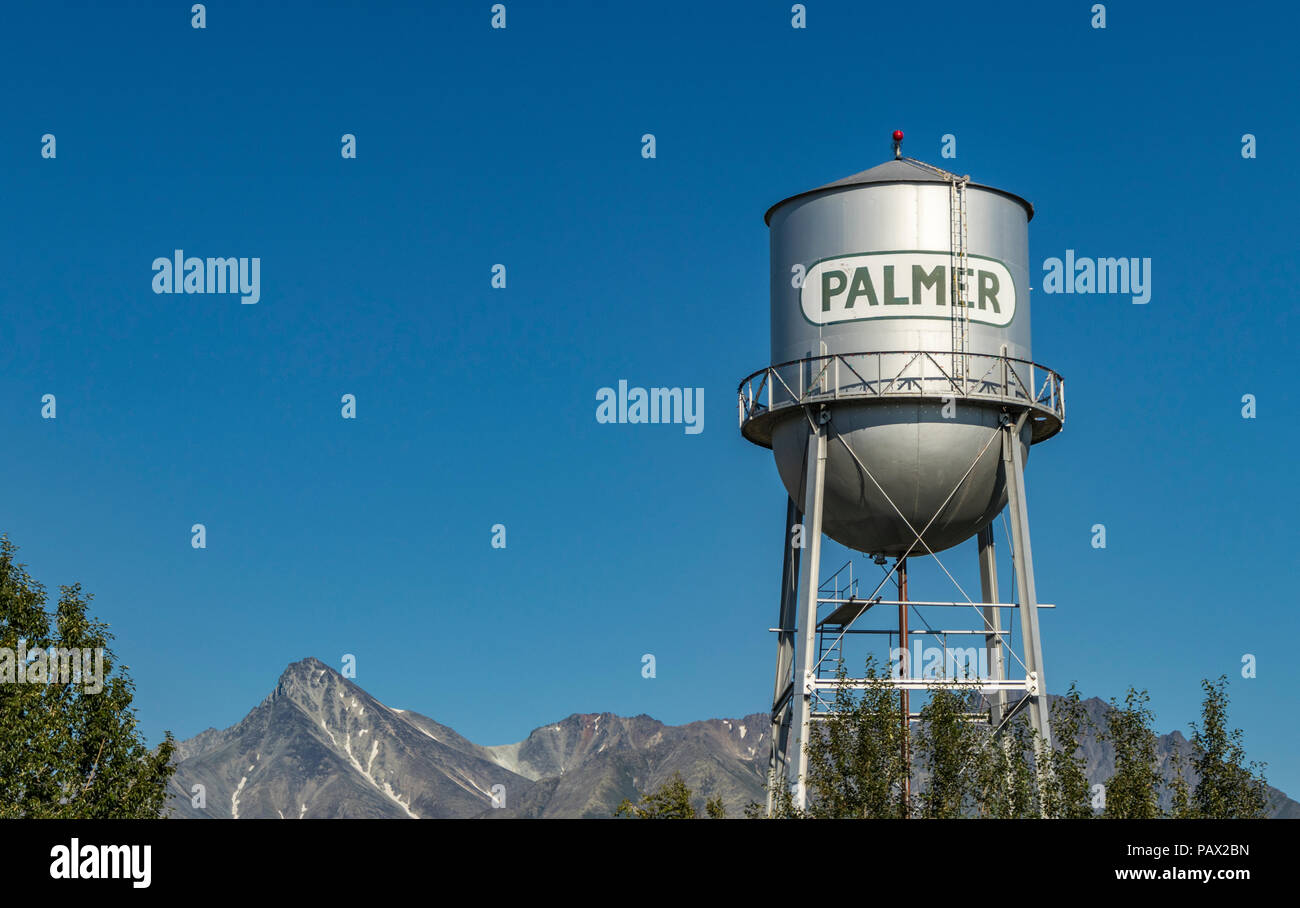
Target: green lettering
989,286
828,291
862,286
932,280
890,299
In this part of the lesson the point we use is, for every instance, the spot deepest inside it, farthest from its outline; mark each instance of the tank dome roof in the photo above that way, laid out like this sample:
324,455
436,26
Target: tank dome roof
897,171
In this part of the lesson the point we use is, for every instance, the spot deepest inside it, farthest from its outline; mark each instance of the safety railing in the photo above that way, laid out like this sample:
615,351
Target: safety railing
1017,383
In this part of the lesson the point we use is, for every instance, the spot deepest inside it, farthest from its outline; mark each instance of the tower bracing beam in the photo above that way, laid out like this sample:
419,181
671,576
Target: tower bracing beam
992,619
803,689
806,650
1013,460
785,627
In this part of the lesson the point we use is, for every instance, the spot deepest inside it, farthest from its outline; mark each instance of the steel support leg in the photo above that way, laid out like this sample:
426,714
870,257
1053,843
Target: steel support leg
806,652
1033,648
992,622
904,700
782,706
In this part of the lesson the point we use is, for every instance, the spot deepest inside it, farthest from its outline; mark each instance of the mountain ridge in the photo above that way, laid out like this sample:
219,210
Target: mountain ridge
320,746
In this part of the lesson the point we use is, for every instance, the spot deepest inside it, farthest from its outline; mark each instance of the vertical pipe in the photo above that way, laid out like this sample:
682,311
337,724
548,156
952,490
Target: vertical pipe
904,699
992,621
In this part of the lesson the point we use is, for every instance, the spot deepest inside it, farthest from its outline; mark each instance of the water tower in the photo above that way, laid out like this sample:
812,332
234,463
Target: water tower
901,405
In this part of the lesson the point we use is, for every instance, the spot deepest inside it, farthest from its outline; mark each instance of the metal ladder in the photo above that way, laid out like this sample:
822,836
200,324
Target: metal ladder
958,291
830,649
830,655
959,297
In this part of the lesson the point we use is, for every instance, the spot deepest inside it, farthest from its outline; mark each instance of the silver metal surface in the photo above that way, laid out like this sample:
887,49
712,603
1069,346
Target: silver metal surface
782,708
1024,563
776,392
805,671
915,457
861,355
915,426
893,217
898,171
892,441
982,685
992,619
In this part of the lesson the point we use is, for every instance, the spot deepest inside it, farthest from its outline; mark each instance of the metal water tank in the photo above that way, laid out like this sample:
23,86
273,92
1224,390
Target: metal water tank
864,330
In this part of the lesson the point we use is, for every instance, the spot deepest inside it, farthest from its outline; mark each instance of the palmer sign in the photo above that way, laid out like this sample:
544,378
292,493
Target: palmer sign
904,285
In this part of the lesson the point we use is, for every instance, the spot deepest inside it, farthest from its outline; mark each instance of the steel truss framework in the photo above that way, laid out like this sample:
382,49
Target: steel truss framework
815,617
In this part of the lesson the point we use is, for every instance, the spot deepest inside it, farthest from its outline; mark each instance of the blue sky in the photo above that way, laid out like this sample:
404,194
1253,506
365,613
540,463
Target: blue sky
476,406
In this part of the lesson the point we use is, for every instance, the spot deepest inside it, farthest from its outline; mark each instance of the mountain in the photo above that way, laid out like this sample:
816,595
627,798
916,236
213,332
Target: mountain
319,746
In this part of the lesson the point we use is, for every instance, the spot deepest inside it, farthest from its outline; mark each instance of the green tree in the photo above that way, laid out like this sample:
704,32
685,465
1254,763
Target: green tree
69,745
1005,785
949,748
782,803
1066,792
1180,800
671,802
1133,791
855,757
855,768
1226,788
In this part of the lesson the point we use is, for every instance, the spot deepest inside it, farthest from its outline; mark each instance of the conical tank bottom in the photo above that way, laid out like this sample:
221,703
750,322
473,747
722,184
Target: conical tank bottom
917,457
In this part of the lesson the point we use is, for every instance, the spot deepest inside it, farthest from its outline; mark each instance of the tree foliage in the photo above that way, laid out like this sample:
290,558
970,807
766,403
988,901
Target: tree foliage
714,809
855,763
67,749
1133,792
1066,793
948,746
1180,798
1227,788
672,801
856,769
1005,784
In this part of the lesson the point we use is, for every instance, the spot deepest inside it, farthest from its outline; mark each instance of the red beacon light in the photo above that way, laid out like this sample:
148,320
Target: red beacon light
898,135
898,144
